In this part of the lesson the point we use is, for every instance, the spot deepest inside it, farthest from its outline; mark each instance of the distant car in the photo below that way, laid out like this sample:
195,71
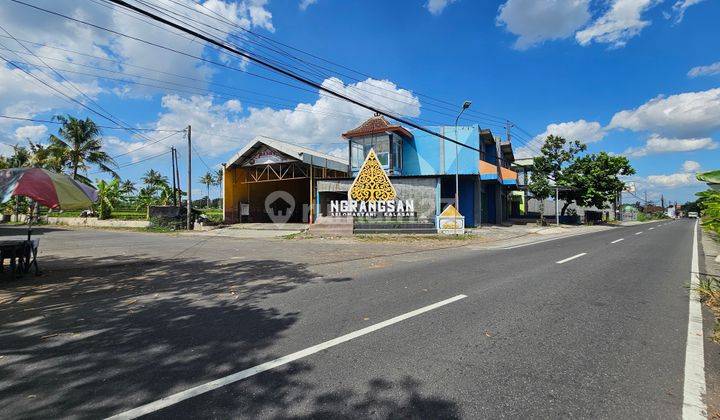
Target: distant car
692,214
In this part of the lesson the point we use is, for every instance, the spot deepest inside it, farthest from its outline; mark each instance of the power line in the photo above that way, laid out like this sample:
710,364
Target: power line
290,74
9,117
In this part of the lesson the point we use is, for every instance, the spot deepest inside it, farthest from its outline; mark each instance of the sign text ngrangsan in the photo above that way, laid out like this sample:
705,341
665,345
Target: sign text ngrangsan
392,208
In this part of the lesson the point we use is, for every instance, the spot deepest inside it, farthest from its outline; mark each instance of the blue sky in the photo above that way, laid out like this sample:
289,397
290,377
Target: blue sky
634,77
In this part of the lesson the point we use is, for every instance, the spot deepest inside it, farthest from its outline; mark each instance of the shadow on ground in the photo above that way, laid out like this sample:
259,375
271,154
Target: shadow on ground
93,336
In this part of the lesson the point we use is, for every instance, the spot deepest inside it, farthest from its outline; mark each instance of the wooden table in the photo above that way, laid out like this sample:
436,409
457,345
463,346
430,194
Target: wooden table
22,254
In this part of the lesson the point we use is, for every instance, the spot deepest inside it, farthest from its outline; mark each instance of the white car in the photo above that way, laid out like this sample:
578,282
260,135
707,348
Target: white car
692,214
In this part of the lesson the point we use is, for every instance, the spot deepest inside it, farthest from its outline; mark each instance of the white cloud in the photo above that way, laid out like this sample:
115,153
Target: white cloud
672,180
535,21
690,166
622,21
681,6
709,70
686,115
28,24
218,129
304,4
584,131
675,180
30,132
436,7
656,144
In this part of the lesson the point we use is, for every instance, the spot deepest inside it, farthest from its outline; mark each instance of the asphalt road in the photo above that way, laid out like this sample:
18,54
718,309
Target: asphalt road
600,335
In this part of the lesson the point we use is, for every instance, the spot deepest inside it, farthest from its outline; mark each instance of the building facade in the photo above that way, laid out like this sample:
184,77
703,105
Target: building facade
420,166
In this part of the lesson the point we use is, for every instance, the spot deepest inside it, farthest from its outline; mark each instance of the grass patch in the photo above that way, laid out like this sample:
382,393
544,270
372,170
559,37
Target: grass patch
386,237
709,291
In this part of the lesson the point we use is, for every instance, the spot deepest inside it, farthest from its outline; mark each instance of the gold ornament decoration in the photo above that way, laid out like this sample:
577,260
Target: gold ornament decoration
372,183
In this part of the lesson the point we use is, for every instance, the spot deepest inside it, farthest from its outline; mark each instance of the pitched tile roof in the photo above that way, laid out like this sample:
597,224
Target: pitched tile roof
374,125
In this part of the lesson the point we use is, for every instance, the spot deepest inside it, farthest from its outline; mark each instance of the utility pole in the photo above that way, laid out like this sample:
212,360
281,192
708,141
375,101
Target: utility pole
178,192
189,180
172,157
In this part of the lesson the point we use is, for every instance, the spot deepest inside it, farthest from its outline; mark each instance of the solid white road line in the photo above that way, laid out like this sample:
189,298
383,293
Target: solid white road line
571,258
637,233
243,374
617,240
694,385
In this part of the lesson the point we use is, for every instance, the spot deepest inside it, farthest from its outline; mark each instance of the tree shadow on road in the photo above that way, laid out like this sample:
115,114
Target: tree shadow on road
98,336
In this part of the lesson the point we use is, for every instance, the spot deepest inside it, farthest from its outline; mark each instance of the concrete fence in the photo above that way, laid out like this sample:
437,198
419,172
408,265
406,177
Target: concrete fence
88,221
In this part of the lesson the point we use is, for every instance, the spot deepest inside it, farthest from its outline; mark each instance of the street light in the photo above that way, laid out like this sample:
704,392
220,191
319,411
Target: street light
465,106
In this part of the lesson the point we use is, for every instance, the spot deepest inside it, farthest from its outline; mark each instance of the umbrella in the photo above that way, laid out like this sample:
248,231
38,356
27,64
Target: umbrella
53,190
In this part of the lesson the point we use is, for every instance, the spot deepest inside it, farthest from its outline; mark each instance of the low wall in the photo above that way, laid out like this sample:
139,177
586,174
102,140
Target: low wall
95,222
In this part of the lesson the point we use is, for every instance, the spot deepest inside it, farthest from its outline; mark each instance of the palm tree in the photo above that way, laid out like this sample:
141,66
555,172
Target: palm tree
218,183
208,179
81,141
48,156
127,187
20,158
154,179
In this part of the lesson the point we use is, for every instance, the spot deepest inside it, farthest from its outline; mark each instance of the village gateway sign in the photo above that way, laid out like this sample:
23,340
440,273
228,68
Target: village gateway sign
372,195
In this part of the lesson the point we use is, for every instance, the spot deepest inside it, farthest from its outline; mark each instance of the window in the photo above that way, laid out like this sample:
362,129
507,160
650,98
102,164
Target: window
388,149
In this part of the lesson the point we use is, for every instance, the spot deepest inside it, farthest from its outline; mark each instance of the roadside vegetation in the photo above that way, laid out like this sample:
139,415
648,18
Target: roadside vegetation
78,146
709,292
584,179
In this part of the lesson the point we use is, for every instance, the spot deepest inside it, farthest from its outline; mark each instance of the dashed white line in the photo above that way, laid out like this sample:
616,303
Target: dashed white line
637,233
651,228
694,384
571,258
617,240
243,374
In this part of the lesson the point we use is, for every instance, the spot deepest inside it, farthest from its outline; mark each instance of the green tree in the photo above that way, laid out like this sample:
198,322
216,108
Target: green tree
709,202
127,187
556,154
109,196
81,142
145,198
208,179
154,180
50,156
218,182
594,180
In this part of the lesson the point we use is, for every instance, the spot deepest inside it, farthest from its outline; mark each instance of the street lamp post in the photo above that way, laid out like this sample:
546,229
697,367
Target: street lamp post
465,106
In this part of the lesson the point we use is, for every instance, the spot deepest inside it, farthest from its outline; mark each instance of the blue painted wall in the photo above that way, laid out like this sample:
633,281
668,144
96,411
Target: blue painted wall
426,154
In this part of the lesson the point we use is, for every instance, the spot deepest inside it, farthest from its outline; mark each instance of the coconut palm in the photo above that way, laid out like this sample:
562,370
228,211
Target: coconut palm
127,187
154,180
208,179
81,141
20,158
48,156
218,181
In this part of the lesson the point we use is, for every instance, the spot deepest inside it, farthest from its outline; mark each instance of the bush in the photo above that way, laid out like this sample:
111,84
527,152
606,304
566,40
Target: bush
169,223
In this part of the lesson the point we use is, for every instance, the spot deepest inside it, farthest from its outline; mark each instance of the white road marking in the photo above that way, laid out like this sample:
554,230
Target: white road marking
571,258
542,241
637,233
617,240
694,385
243,374
651,228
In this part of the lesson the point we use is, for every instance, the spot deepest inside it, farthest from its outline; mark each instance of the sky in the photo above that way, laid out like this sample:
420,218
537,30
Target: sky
639,78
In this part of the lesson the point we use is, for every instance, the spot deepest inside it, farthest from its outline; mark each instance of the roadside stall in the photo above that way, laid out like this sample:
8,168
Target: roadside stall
43,187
